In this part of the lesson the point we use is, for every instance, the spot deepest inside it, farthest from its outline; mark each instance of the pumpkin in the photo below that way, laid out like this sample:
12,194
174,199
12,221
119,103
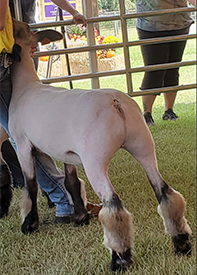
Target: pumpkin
44,58
70,35
110,53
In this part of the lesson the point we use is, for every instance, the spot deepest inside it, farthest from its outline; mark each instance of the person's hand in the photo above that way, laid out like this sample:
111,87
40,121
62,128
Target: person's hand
78,18
33,49
34,44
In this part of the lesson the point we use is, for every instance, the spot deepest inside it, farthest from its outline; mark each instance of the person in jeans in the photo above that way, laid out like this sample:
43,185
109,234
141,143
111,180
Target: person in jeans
49,177
159,26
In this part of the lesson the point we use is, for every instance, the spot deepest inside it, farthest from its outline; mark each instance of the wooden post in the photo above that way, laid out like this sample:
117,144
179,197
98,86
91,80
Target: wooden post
87,7
95,14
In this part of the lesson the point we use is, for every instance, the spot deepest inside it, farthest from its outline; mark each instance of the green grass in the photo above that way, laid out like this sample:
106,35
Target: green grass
67,249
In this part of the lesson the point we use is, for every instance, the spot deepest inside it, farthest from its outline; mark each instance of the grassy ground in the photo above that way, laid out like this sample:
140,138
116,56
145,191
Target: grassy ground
66,249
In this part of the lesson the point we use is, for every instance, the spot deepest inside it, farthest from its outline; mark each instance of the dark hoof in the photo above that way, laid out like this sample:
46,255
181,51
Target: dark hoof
121,261
82,219
182,244
30,224
5,190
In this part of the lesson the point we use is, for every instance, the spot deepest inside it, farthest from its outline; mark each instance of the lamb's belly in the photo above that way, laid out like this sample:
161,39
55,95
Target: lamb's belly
68,157
58,151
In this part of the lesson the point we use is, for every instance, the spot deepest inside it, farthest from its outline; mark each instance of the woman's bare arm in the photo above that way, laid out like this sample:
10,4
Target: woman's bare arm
3,13
78,18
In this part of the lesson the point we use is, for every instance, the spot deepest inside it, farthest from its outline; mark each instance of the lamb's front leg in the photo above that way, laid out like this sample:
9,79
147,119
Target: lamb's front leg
29,207
76,189
29,201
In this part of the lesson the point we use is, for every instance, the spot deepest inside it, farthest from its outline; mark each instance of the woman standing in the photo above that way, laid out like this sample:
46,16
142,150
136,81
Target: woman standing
162,25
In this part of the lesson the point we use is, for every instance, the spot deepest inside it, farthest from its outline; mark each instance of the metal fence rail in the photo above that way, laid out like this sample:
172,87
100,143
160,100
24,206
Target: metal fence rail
94,75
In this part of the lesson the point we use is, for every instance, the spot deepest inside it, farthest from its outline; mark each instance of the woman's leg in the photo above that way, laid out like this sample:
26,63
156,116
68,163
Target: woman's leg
176,51
169,100
154,79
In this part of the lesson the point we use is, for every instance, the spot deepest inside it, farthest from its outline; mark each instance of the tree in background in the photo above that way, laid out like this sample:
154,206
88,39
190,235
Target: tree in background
113,5
130,5
108,5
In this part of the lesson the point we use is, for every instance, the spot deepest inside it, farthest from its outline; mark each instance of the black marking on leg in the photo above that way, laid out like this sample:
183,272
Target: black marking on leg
5,190
73,186
160,193
182,244
121,261
165,190
114,202
30,224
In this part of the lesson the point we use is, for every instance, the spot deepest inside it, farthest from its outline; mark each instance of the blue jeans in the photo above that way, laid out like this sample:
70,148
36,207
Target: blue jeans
49,177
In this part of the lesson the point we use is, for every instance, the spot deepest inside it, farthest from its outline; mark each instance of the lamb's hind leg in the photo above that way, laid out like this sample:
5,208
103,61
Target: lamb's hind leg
29,201
171,203
115,219
118,232
76,189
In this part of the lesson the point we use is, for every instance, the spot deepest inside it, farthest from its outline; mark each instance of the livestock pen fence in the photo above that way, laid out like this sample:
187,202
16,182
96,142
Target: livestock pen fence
125,44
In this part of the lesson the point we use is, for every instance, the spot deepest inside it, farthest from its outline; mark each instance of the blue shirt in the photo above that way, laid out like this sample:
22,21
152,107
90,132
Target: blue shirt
165,21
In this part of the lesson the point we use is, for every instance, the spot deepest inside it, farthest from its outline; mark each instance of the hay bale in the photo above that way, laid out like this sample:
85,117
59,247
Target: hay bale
79,63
